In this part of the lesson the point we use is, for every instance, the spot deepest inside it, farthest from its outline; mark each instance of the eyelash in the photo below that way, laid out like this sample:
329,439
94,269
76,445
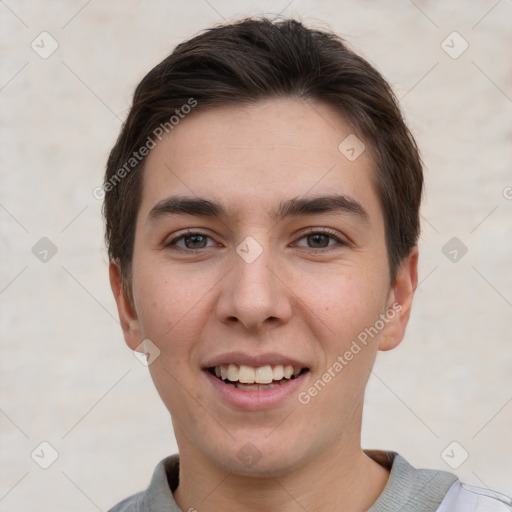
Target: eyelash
311,231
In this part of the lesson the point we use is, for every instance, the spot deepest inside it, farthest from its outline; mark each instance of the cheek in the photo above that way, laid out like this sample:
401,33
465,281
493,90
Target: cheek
345,302
347,307
172,313
171,307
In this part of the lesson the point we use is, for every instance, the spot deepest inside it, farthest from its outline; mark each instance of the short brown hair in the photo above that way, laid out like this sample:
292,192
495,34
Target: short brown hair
253,60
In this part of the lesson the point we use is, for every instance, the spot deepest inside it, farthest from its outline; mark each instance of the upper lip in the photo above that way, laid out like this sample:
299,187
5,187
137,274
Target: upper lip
254,360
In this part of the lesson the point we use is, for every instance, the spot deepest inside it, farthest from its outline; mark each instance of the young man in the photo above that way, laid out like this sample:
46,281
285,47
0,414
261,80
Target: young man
262,215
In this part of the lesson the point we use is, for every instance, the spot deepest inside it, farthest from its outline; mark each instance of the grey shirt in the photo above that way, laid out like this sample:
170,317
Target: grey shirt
407,490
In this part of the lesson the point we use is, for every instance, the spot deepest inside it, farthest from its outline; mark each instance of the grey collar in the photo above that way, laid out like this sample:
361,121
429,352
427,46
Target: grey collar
408,489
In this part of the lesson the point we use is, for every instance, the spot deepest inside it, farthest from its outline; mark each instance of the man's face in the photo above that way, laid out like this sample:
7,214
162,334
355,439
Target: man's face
281,270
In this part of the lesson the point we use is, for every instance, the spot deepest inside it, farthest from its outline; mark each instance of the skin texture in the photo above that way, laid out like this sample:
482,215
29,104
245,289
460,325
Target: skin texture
300,301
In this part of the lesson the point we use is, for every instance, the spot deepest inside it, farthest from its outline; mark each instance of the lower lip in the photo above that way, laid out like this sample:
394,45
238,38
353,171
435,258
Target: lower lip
256,400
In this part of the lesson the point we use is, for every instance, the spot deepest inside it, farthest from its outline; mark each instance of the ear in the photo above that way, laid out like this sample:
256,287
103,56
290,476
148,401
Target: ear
400,302
127,314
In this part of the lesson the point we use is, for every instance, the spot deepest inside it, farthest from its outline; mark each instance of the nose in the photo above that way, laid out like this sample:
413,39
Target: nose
254,295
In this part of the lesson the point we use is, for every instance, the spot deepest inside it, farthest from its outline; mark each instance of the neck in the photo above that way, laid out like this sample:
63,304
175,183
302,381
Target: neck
339,479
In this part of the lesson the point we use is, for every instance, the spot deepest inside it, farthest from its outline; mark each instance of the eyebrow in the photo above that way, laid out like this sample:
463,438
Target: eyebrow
185,205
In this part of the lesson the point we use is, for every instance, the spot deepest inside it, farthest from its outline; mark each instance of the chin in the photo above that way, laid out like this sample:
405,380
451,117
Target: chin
258,457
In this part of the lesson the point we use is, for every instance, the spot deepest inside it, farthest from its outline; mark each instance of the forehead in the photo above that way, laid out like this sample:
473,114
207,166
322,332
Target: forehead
256,156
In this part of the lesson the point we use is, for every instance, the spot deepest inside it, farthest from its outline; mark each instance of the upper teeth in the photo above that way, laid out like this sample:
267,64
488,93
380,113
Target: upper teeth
260,375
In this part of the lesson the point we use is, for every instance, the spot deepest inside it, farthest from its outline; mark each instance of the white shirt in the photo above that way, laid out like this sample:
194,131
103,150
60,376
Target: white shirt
466,498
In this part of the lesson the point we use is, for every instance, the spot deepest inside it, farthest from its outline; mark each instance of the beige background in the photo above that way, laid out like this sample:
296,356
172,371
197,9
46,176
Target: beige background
66,376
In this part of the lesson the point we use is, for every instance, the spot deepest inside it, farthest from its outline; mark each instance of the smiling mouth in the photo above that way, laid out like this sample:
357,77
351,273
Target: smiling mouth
248,378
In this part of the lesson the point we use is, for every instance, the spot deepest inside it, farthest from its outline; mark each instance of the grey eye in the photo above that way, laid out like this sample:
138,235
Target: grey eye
195,241
319,240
